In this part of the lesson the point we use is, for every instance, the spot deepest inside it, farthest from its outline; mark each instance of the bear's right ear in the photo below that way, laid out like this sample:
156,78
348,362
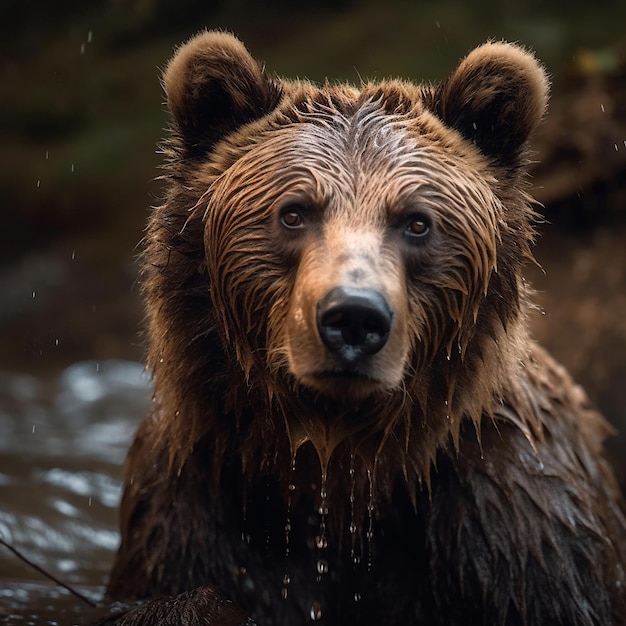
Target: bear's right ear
213,87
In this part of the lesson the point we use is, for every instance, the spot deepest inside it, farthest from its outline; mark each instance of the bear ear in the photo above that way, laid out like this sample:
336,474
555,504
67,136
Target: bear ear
213,87
496,98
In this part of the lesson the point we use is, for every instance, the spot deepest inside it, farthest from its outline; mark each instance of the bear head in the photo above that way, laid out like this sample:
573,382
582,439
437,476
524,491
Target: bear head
340,262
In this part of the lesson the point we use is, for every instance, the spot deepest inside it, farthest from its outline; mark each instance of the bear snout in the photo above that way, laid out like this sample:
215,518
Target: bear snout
353,323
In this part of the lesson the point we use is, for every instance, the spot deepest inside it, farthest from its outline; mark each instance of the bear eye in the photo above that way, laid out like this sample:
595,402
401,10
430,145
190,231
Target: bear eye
291,218
418,226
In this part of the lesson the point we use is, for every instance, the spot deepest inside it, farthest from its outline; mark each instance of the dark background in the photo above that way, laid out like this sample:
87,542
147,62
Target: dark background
81,114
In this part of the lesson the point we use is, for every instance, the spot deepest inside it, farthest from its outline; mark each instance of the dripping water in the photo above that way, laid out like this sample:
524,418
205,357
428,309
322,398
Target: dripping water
353,526
370,518
321,541
290,490
316,611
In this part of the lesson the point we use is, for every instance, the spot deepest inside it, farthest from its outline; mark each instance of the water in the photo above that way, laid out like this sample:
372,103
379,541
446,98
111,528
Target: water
62,446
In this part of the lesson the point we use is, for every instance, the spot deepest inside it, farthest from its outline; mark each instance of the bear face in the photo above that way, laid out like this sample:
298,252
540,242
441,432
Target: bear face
335,244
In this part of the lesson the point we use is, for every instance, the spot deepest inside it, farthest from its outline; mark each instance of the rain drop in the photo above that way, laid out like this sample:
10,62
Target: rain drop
34,429
316,611
34,294
602,107
47,154
73,254
72,168
89,504
322,566
90,36
82,48
38,184
321,542
357,597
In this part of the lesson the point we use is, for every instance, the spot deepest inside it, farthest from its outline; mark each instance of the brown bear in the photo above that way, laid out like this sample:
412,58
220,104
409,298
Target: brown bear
351,424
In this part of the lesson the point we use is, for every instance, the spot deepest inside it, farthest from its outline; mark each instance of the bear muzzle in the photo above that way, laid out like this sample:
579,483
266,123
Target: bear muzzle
353,323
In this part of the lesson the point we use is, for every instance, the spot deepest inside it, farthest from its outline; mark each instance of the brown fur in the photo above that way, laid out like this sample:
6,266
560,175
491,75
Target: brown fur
460,435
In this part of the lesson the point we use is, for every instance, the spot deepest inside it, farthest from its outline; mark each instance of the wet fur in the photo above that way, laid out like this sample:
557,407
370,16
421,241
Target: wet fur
465,472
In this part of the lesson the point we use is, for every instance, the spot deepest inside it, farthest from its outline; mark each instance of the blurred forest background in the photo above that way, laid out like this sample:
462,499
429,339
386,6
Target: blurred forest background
82,112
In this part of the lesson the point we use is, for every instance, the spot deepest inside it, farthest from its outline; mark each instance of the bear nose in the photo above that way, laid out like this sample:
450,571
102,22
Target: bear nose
353,322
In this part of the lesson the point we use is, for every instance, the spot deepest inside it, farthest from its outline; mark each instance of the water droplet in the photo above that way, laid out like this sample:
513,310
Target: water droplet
34,294
292,487
47,154
448,357
34,429
321,542
285,591
82,48
323,493
323,510
322,566
56,342
357,597
97,367
437,24
89,501
602,107
38,184
352,528
90,36
72,168
73,254
316,611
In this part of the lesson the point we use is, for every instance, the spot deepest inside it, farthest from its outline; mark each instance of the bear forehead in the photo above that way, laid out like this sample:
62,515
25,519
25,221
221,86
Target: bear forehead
325,152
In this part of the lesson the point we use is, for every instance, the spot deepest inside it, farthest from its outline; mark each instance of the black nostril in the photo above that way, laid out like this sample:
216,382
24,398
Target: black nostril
353,322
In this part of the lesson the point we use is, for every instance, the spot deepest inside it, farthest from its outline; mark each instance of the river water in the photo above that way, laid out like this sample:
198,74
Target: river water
62,448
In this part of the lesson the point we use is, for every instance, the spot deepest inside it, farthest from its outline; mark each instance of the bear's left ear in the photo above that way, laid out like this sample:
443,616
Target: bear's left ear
213,87
495,98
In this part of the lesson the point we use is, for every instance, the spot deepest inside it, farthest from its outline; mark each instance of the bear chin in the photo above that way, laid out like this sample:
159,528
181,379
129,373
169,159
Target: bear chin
344,385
